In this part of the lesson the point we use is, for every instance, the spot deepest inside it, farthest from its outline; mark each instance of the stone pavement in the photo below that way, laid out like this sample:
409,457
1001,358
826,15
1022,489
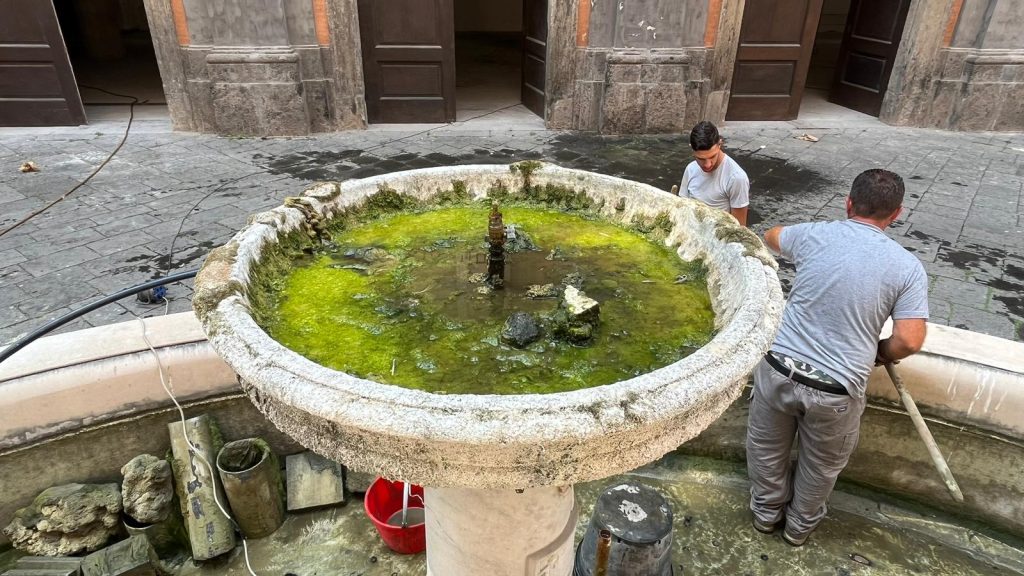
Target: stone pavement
964,213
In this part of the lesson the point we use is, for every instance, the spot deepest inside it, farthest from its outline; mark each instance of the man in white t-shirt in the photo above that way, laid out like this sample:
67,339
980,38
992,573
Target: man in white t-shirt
713,177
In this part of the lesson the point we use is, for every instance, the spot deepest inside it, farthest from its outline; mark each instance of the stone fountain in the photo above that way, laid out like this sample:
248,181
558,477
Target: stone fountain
498,469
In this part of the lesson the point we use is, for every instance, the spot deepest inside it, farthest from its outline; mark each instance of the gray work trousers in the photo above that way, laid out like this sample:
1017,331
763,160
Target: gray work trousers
828,426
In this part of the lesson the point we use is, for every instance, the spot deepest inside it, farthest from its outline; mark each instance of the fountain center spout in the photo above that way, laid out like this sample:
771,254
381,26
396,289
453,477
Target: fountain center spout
496,248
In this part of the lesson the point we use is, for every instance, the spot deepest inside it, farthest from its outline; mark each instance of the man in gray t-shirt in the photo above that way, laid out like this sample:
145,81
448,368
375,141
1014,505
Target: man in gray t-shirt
713,177
850,278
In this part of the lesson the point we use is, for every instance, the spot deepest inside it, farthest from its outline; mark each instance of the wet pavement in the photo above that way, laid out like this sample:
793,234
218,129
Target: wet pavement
167,198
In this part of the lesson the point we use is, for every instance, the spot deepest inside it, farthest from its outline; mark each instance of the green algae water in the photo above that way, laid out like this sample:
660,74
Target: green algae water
401,300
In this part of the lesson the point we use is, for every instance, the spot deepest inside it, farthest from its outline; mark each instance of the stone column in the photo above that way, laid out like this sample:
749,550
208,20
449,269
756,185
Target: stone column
918,63
500,532
723,59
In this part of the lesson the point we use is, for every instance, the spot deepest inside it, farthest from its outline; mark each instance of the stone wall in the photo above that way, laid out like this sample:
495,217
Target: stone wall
974,83
979,90
256,68
644,68
981,83
629,91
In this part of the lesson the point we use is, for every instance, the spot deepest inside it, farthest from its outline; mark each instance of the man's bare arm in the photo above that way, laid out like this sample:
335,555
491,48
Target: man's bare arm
740,214
771,238
907,338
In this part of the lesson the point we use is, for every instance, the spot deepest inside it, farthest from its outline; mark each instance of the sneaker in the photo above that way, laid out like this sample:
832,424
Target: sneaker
762,527
794,540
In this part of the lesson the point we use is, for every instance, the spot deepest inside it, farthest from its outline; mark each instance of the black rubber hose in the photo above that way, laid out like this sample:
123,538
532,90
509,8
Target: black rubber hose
77,313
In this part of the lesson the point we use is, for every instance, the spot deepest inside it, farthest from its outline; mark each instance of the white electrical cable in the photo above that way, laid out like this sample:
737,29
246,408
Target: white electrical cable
165,382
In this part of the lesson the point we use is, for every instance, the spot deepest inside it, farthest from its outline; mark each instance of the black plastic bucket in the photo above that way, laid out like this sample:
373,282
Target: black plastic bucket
640,522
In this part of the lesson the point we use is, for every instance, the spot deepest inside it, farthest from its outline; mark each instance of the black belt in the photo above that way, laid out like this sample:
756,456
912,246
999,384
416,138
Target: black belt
798,377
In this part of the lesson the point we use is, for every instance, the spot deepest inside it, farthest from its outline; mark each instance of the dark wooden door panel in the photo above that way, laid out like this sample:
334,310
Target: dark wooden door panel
776,39
535,50
37,86
408,59
870,43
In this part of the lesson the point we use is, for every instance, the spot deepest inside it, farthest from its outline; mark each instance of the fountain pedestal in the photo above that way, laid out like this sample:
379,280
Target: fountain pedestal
500,532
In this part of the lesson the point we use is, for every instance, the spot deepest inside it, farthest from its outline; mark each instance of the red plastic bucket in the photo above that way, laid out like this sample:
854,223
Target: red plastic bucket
382,502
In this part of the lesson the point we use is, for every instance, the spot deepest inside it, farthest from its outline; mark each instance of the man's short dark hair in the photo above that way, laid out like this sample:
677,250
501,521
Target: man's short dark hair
876,193
704,136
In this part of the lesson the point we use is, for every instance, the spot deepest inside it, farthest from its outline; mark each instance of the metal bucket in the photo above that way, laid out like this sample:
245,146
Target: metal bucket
640,522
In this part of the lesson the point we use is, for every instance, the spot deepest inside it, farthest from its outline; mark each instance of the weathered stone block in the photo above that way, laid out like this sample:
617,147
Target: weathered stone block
953,68
666,108
311,64
195,63
318,104
623,111
695,92
253,72
947,94
587,106
313,481
67,519
649,73
623,73
131,557
358,482
977,111
259,109
672,74
984,72
1011,115
559,114
593,65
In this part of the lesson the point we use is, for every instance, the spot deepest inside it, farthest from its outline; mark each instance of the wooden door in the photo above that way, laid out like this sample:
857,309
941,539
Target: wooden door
408,59
776,38
870,42
535,51
37,85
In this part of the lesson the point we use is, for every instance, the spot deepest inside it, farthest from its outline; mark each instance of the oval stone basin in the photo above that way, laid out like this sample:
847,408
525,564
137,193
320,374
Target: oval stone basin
487,441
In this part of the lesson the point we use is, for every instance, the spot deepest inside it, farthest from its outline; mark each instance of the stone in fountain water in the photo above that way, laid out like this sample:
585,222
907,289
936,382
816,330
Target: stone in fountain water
575,280
521,329
516,240
538,291
581,308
